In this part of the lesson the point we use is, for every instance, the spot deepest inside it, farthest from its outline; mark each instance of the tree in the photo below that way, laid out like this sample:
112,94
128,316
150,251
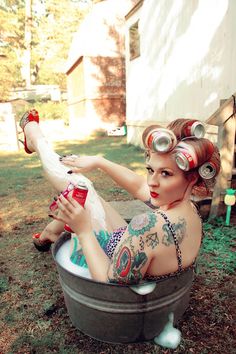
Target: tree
11,46
51,28
53,36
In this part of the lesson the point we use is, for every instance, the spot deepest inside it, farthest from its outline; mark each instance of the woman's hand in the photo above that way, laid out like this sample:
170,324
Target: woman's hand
73,214
80,164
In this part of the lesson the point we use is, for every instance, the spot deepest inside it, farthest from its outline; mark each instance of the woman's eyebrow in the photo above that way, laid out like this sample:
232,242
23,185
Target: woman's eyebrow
160,168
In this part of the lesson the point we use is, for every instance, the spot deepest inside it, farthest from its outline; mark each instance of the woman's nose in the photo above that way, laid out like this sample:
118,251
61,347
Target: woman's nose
153,181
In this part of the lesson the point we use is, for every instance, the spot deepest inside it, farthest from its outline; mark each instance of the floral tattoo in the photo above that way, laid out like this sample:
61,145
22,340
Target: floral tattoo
142,223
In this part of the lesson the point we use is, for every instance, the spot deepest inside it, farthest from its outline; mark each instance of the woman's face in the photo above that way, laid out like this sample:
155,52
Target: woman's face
167,183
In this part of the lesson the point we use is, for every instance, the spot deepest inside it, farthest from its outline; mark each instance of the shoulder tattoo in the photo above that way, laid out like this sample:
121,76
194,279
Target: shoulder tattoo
180,230
142,223
152,240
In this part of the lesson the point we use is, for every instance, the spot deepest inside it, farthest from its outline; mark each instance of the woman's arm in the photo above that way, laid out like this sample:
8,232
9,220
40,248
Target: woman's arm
124,177
135,252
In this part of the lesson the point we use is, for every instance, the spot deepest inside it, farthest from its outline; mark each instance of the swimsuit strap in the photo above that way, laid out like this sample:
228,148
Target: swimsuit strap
171,228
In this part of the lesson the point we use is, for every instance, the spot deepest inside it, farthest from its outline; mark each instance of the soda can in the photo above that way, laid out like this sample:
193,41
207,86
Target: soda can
184,160
194,128
160,140
207,170
185,157
79,193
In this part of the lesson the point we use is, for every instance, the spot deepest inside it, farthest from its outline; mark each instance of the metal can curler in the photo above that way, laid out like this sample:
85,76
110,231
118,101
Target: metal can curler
194,128
160,140
185,156
207,170
79,194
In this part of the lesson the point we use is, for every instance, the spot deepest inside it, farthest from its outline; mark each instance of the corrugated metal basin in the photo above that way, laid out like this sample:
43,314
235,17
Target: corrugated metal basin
117,313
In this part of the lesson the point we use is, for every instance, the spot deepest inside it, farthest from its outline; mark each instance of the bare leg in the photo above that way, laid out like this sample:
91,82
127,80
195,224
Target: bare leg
104,217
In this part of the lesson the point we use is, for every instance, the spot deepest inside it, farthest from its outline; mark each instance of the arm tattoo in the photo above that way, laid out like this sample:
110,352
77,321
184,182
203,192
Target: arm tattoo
142,223
131,257
127,266
180,229
128,262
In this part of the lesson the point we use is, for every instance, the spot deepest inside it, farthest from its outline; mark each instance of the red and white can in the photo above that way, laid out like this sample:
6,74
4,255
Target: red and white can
160,140
194,128
79,193
185,156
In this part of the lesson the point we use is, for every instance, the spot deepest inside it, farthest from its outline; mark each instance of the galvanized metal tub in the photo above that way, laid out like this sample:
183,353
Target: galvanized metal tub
117,313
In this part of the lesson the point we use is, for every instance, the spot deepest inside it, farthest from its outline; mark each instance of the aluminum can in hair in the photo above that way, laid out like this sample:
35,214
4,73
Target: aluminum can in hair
194,128
79,193
184,160
185,156
161,140
207,170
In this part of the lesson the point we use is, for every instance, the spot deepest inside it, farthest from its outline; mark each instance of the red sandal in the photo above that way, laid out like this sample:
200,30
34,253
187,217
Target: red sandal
30,116
42,246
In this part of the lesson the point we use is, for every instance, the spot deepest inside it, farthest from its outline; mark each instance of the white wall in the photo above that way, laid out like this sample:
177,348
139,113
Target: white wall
187,62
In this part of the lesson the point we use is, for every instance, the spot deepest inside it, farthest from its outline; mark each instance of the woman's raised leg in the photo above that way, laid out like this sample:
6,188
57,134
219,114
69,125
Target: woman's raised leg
103,216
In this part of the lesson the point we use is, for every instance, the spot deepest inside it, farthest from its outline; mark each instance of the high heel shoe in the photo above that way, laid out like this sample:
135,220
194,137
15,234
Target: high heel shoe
30,116
42,246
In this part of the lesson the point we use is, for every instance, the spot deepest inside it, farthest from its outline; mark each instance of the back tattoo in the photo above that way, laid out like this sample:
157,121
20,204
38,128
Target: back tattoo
180,230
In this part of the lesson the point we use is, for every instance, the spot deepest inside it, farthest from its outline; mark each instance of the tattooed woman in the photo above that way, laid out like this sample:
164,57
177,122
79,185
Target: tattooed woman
159,243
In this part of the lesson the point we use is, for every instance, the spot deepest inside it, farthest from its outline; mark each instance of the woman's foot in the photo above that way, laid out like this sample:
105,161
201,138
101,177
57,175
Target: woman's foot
41,245
30,116
42,241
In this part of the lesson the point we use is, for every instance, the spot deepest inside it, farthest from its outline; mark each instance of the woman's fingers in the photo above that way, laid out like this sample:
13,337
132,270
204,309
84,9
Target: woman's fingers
64,205
67,205
70,160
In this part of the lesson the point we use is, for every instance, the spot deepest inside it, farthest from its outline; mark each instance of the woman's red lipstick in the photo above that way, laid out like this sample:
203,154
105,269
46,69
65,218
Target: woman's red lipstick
154,195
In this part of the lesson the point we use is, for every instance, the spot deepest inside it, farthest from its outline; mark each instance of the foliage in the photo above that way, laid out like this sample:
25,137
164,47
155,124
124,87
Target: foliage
3,284
11,46
52,26
47,110
218,248
54,35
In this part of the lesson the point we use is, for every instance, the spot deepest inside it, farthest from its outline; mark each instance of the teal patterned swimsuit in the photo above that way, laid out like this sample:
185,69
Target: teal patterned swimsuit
77,256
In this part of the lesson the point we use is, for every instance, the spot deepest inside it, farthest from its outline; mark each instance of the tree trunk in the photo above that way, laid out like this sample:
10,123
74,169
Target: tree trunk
28,23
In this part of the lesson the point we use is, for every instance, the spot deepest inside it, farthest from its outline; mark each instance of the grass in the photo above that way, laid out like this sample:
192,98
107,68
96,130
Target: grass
219,248
33,316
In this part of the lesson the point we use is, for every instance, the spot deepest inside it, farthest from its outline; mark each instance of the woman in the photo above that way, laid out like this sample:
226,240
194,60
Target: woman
162,242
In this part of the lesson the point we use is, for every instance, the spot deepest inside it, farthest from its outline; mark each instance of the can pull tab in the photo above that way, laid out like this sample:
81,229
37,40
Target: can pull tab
143,289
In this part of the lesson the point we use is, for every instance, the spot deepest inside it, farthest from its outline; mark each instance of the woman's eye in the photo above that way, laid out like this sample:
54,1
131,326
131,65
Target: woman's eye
165,173
149,170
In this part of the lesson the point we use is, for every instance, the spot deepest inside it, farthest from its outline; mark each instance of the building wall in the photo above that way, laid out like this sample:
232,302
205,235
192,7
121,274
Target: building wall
76,92
96,93
186,66
105,89
100,44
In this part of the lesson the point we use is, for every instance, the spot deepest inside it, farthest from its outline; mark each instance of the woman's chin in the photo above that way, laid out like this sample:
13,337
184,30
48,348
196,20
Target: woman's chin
155,202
